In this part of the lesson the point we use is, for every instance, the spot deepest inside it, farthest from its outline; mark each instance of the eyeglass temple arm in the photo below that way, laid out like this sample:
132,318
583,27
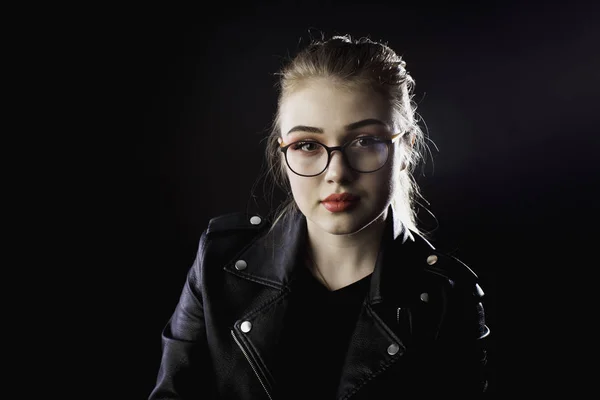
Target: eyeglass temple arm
396,136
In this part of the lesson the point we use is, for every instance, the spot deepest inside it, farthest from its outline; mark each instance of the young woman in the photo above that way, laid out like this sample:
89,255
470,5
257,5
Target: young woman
337,295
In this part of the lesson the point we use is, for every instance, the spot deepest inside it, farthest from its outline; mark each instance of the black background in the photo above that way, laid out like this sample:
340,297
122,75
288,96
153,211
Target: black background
508,93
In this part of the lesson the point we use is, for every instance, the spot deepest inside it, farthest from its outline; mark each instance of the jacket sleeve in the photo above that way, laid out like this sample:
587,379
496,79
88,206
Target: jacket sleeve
464,342
185,370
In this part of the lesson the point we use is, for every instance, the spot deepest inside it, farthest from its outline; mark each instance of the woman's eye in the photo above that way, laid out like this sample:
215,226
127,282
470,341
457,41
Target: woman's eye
366,141
305,146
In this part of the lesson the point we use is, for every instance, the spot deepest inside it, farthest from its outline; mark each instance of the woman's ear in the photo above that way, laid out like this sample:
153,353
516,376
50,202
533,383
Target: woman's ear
405,149
403,165
401,157
410,139
279,140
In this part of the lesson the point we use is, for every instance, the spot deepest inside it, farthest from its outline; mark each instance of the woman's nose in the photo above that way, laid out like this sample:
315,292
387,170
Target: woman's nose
338,168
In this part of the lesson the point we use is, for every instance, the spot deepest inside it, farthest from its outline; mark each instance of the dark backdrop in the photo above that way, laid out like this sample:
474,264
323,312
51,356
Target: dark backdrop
508,93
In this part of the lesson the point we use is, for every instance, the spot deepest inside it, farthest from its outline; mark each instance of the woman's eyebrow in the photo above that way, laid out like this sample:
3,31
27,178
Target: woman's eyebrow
303,128
365,122
349,127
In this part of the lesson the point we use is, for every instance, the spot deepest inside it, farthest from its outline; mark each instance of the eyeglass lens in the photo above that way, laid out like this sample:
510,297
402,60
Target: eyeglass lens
363,154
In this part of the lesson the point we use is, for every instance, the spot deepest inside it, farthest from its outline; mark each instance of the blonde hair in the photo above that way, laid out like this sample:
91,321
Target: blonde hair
355,62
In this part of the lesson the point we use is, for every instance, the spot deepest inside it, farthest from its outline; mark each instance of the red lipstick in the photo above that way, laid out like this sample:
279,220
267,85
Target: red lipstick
338,202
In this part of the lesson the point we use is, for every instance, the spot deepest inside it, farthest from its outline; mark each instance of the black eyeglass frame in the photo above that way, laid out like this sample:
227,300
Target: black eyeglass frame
283,148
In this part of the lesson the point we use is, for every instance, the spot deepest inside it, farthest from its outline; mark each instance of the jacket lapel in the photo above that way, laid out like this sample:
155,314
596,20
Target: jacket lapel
374,346
270,261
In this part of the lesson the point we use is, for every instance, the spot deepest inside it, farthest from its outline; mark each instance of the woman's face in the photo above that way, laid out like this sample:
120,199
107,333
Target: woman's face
323,111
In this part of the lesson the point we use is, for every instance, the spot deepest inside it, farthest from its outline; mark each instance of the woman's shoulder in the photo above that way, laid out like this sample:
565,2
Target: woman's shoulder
235,222
228,231
441,262
227,234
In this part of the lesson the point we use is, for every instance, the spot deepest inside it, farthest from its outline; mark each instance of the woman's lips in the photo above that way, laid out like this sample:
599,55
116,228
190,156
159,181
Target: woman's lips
341,197
339,206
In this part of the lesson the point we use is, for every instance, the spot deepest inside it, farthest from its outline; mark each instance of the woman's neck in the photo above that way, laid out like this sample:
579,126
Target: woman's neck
340,260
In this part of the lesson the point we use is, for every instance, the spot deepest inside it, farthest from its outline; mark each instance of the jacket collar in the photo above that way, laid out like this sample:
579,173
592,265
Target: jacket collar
274,258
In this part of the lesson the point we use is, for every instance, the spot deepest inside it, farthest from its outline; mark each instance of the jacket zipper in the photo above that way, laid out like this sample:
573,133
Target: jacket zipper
252,365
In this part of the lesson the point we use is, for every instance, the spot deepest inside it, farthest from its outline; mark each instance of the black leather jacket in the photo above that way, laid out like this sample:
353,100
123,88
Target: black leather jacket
420,332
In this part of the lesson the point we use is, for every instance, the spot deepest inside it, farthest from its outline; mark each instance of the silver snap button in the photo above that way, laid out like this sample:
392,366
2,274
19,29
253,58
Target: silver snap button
255,220
432,259
393,349
246,326
240,265
424,297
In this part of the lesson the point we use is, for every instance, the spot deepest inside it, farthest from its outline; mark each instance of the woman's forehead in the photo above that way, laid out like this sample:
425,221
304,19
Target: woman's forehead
331,107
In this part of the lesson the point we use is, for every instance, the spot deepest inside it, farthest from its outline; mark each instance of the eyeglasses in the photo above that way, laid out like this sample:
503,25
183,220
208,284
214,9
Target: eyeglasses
363,154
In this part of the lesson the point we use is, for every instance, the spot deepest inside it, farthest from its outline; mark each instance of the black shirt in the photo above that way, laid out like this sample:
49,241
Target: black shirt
315,337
